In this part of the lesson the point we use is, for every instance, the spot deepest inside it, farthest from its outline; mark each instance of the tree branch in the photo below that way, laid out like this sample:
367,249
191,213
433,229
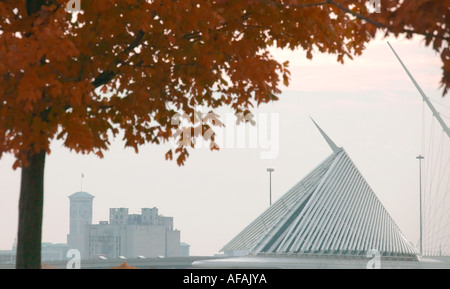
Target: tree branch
107,75
382,25
357,15
33,6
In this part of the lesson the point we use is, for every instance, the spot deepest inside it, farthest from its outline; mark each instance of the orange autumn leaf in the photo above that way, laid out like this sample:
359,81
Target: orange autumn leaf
46,266
124,265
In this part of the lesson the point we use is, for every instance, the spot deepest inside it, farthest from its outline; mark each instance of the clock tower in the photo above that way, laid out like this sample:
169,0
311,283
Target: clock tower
80,221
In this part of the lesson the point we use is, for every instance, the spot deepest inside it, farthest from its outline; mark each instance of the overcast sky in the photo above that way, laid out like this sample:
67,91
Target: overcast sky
368,106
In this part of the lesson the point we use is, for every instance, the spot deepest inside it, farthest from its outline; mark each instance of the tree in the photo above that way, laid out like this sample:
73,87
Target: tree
131,66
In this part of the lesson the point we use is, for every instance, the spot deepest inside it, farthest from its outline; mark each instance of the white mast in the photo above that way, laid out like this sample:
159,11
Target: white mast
425,98
332,145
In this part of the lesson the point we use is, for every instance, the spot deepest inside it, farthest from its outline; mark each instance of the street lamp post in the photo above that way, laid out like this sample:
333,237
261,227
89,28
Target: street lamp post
270,170
420,158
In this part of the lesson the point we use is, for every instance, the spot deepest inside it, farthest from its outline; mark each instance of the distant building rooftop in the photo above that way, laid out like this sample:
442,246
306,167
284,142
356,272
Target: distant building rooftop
81,195
47,244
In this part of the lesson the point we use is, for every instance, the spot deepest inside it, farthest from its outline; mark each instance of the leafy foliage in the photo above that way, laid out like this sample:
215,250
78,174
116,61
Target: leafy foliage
129,66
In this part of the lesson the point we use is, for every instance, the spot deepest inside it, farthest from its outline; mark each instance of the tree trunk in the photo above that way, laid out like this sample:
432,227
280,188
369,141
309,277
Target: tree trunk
30,213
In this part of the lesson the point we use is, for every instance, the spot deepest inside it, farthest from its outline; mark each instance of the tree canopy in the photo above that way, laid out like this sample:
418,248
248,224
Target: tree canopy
152,59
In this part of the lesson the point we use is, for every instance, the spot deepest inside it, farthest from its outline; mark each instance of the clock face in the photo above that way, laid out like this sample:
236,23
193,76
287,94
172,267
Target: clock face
85,211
